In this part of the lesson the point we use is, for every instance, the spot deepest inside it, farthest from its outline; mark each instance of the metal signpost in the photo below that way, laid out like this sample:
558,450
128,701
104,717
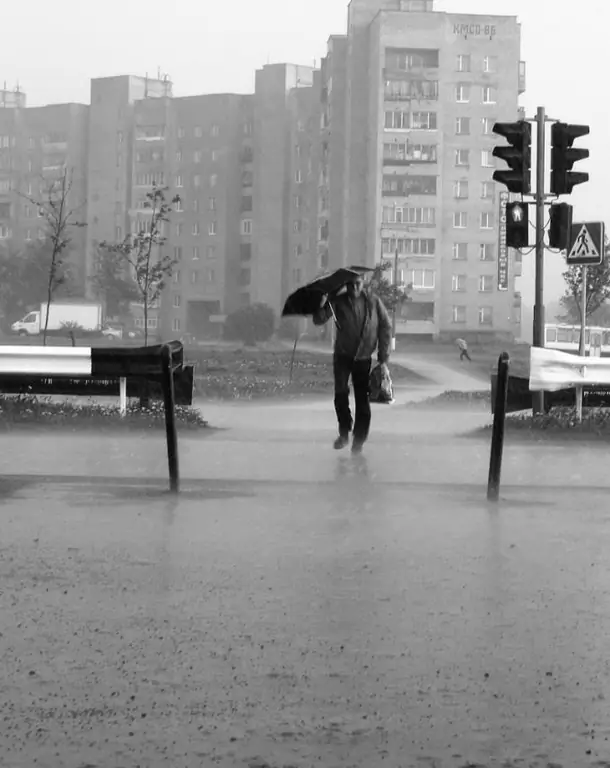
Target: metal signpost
585,248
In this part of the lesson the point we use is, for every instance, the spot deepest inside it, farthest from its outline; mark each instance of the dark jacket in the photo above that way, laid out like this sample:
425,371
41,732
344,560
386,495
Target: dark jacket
377,331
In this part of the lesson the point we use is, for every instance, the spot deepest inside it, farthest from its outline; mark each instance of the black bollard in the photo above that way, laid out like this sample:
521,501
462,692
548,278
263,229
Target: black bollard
170,418
497,435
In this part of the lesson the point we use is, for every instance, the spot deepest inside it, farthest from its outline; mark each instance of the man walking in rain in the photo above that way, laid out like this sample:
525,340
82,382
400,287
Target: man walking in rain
463,347
362,325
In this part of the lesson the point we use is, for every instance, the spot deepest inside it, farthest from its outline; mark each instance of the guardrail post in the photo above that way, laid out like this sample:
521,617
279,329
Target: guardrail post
169,399
497,435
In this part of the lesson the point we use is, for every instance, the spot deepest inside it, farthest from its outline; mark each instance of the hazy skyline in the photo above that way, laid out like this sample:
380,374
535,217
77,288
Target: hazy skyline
216,47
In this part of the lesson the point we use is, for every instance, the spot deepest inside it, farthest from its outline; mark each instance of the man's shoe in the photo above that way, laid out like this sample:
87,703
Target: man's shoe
341,442
357,445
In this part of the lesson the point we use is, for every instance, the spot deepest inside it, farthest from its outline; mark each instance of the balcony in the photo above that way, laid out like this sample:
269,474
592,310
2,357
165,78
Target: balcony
246,155
54,146
522,77
411,90
400,155
149,134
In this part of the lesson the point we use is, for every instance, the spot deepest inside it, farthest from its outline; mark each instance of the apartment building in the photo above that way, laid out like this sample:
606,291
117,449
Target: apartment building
414,94
36,145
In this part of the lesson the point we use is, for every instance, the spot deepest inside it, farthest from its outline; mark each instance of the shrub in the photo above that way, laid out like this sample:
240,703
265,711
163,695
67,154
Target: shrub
29,410
250,324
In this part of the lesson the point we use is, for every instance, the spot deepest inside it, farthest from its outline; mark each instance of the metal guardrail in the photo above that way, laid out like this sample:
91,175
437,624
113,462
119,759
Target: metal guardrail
76,370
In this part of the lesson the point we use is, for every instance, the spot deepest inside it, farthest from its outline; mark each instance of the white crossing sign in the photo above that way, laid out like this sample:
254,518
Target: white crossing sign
586,244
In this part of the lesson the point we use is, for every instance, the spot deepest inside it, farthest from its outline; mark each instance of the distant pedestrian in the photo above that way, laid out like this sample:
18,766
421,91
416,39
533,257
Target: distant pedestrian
362,325
463,347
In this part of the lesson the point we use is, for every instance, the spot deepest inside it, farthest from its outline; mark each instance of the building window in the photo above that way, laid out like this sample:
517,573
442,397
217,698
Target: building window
212,228
458,283
487,159
488,189
179,181
460,220
195,253
485,315
460,251
248,128
196,180
297,201
197,156
212,203
176,324
463,63
213,180
489,94
462,126
28,234
198,132
409,246
458,315
179,229
407,151
298,176
211,276
210,252
460,190
487,220
194,276
196,229
296,226
485,283
177,300
214,156
179,155
422,279
487,252
176,276
215,130
177,252
246,226
490,64
146,204
395,185
415,216
462,157
196,205
462,93
181,133
246,203
487,124
298,250
245,251
118,233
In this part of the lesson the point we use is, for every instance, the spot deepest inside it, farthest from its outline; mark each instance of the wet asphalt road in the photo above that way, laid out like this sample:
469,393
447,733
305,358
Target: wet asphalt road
295,607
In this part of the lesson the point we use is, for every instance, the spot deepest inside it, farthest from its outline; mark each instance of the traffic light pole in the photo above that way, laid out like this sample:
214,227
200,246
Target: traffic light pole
538,336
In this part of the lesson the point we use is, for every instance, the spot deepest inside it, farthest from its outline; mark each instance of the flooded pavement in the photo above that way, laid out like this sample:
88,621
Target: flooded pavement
296,607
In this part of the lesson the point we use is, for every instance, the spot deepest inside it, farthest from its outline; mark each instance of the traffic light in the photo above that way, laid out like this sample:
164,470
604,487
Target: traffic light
517,225
563,157
561,226
518,156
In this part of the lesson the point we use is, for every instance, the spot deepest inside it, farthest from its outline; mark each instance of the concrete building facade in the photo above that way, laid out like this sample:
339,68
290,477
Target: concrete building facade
421,92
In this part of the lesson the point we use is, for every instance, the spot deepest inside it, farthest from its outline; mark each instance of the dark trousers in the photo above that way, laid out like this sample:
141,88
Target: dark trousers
360,371
464,354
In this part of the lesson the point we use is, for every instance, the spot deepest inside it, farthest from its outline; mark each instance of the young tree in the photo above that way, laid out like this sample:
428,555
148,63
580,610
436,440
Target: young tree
598,289
393,296
112,281
144,252
60,219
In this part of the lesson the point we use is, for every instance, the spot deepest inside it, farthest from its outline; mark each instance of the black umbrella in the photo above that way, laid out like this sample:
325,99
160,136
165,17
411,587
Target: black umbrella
306,300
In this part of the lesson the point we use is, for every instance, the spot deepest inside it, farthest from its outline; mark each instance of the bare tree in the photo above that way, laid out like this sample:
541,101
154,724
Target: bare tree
60,218
144,251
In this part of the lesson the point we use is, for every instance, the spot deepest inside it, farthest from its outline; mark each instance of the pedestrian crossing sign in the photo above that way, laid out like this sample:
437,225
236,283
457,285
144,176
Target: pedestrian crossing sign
586,244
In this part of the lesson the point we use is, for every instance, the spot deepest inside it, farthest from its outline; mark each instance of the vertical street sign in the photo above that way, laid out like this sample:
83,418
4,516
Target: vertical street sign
502,247
586,245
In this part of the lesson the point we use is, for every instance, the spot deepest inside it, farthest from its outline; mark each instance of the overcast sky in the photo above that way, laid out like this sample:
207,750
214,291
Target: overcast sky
54,48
